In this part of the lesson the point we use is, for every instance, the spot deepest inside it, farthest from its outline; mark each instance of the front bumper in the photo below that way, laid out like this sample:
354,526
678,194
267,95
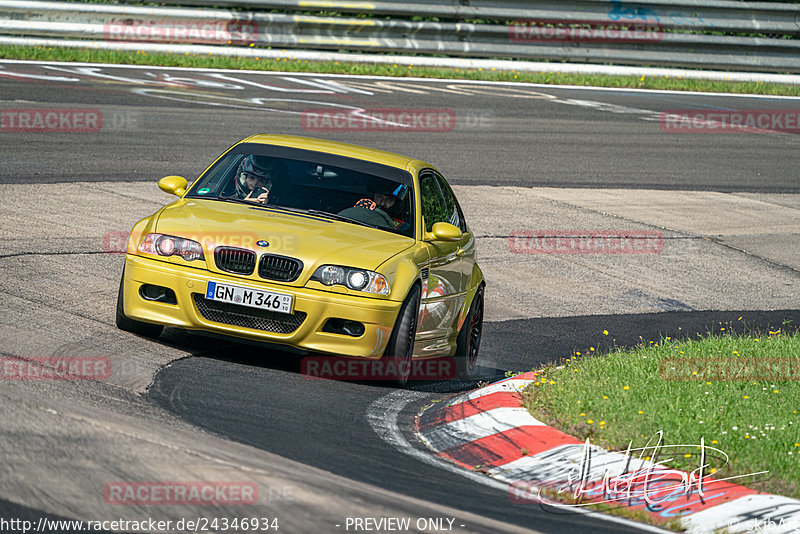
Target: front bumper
378,316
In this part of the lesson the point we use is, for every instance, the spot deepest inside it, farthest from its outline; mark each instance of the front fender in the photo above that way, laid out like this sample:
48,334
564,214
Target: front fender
476,280
403,271
139,230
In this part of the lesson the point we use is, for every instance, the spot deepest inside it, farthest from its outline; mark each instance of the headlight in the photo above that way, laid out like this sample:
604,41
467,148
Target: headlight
355,279
167,245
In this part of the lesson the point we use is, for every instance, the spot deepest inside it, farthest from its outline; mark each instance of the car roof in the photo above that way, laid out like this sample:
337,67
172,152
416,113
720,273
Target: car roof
341,149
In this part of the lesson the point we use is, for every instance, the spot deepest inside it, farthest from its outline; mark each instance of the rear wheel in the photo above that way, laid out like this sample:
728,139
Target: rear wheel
400,348
131,325
468,343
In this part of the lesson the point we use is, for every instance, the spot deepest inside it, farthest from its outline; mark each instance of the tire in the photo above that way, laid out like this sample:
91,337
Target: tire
131,325
401,343
468,343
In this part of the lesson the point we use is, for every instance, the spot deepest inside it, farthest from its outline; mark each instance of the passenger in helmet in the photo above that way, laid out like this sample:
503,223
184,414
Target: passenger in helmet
253,178
386,205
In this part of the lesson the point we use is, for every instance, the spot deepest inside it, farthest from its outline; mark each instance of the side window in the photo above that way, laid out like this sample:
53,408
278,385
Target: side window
455,216
433,205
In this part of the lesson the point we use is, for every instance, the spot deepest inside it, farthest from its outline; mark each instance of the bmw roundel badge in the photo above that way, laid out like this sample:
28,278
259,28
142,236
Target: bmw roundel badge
262,243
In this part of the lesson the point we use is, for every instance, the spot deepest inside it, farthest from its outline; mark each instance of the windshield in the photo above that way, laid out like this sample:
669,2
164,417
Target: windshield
346,189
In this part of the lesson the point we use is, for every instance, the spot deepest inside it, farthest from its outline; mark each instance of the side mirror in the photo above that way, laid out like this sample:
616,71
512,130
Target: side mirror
174,185
443,231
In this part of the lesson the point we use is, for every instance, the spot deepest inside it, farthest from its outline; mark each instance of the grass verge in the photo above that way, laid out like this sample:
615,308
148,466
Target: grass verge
719,387
356,67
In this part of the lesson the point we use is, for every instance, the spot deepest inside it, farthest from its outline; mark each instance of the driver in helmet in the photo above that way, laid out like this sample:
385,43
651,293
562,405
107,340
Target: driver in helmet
387,201
252,180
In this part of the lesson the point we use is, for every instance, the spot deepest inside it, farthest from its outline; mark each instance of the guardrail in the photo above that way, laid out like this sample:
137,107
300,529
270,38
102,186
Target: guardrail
677,33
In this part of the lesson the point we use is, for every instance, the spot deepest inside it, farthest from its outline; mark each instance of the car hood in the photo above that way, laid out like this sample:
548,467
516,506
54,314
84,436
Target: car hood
313,240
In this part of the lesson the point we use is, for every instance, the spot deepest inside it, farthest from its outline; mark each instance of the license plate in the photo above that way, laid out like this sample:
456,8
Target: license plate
254,298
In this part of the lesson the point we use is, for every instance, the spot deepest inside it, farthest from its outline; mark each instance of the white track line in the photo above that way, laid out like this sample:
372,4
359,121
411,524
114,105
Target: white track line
406,79
479,426
421,61
382,417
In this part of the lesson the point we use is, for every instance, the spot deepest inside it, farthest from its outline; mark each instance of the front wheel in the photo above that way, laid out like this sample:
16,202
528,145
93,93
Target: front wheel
400,348
131,325
469,339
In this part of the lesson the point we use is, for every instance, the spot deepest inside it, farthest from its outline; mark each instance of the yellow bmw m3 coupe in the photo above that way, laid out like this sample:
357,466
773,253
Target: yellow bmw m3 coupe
314,246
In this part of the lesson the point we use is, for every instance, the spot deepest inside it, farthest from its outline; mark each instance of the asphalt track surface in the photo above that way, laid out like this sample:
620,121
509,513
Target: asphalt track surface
261,399
159,122
512,135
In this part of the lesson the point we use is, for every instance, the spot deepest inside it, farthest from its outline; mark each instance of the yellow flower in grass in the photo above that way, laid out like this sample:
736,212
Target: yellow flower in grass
640,412
605,397
747,396
589,421
626,388
687,455
714,442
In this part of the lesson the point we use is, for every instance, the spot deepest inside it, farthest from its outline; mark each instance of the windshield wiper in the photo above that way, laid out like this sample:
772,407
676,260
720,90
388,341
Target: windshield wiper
338,217
255,204
318,213
284,208
229,199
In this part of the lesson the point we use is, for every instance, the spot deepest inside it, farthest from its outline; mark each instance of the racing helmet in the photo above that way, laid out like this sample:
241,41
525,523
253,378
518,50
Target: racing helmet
388,188
392,189
257,166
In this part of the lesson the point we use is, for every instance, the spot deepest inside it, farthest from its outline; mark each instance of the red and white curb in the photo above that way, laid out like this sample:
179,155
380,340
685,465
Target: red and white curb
488,430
